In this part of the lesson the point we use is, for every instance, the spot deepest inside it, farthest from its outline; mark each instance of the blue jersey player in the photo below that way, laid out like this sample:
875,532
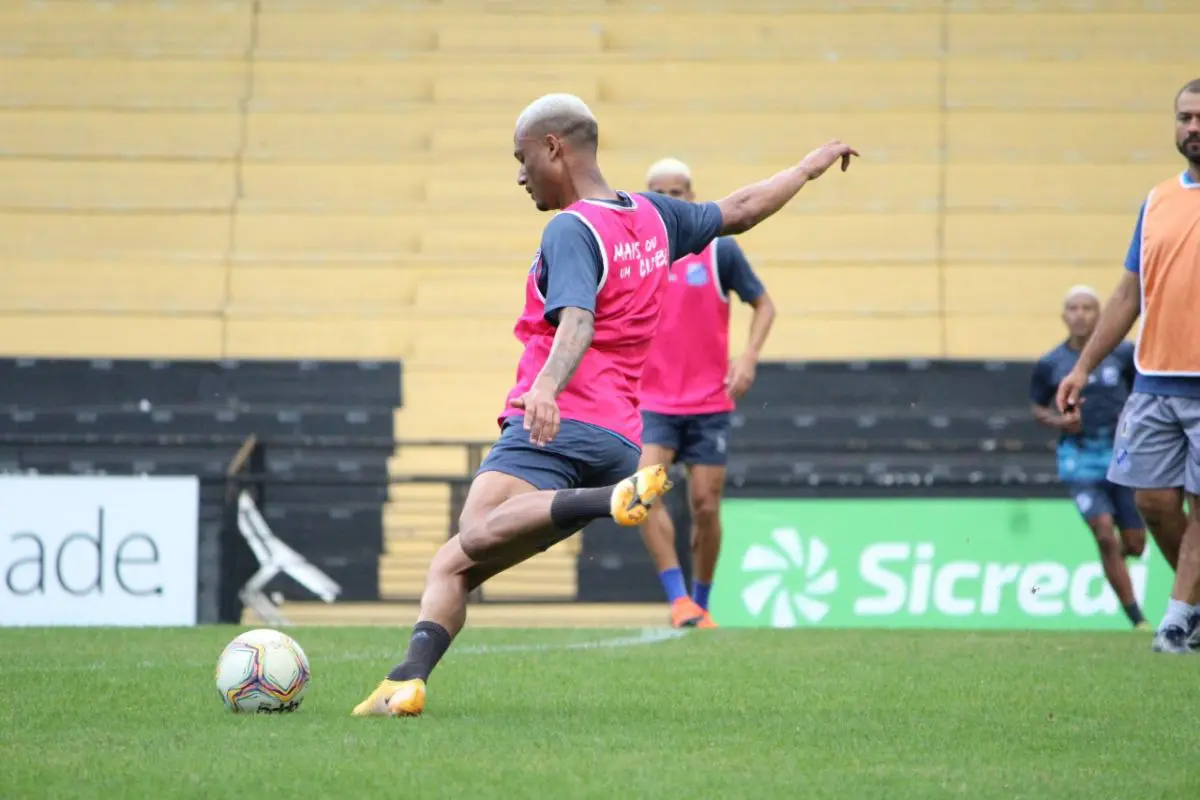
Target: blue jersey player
1085,443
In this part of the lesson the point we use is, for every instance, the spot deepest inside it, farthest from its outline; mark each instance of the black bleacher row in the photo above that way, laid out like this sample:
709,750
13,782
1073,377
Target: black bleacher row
327,428
47,384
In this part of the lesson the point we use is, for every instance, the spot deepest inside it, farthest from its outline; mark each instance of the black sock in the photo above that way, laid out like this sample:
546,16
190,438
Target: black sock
571,509
1134,613
429,642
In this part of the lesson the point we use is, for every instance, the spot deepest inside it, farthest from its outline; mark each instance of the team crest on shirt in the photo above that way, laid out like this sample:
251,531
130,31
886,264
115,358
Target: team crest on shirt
1110,376
697,274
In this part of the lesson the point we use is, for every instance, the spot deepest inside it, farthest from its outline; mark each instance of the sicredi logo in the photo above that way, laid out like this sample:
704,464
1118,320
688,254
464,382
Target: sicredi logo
908,581
773,563
794,580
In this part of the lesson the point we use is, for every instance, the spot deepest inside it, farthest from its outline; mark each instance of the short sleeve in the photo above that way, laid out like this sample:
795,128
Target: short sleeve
572,263
1133,258
735,273
1041,387
690,226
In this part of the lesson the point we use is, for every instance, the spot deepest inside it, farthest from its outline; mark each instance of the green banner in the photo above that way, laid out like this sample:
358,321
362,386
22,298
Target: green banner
971,563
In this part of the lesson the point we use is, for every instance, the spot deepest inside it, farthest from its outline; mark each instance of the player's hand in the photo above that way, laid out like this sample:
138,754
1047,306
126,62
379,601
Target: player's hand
1069,398
1070,422
815,163
541,414
740,376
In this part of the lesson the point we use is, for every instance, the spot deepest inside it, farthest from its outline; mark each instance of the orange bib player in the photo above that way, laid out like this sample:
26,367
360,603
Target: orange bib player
1157,446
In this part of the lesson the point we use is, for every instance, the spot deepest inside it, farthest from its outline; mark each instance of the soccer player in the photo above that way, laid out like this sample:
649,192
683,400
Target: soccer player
1158,439
689,387
570,431
1085,443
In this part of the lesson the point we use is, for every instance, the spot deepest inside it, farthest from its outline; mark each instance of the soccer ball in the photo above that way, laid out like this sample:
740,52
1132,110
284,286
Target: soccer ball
262,672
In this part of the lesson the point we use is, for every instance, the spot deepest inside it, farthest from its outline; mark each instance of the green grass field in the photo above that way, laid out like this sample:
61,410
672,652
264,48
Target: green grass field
610,714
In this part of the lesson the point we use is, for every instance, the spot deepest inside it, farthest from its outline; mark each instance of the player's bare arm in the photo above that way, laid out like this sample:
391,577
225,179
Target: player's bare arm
1051,418
1116,320
752,204
742,370
571,341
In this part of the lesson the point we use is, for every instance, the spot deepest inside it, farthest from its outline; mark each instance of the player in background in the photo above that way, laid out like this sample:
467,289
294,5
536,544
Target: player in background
570,428
1157,449
1085,442
689,388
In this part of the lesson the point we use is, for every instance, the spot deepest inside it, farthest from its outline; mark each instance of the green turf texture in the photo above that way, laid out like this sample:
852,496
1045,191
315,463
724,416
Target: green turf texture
110,713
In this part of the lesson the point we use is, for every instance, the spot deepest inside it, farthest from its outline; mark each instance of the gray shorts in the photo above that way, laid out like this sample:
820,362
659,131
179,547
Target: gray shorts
1158,443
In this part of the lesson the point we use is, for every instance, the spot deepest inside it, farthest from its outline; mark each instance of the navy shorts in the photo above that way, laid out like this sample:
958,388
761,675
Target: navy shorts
580,456
1097,498
695,438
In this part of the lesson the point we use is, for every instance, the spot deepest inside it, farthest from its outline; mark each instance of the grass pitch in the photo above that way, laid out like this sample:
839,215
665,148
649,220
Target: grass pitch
108,713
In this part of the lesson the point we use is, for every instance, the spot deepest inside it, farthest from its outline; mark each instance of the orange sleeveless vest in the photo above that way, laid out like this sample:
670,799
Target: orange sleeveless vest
1169,340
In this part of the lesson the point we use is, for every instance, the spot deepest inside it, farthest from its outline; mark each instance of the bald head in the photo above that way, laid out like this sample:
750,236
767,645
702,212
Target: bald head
562,115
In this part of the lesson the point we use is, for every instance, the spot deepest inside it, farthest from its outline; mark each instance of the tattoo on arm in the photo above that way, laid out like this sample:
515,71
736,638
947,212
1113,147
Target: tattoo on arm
571,341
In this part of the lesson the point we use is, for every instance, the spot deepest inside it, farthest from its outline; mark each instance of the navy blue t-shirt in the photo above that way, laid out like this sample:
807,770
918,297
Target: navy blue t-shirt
572,260
735,273
1085,456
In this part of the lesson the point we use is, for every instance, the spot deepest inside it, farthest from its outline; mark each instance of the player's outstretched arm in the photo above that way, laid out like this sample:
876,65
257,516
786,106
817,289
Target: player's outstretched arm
1116,320
752,204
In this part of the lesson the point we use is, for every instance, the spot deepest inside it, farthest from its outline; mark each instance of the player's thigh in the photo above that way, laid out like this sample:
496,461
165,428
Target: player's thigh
1151,448
1094,505
656,454
1187,410
661,436
542,468
705,440
1124,506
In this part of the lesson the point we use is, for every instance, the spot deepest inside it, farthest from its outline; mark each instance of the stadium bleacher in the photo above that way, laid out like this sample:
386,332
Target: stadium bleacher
327,427
302,179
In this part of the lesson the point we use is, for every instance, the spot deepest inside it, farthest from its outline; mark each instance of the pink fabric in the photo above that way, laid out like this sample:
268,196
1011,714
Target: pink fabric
685,373
636,258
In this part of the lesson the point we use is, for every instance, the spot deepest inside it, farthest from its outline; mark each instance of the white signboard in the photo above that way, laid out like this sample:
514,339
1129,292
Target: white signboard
98,550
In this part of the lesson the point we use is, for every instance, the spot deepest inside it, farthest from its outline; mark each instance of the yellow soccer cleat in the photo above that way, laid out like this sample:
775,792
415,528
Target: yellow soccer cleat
1143,626
394,699
632,497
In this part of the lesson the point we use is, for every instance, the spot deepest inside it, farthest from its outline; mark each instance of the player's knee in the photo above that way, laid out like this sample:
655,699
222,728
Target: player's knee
706,511
1135,542
1157,506
1108,544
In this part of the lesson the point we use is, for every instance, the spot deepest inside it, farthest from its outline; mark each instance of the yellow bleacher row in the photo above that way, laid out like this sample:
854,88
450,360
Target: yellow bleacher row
235,30
450,137
913,85
494,293
340,239
474,190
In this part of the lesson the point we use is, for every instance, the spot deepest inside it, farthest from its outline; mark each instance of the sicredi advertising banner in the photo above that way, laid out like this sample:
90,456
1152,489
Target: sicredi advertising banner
98,550
911,563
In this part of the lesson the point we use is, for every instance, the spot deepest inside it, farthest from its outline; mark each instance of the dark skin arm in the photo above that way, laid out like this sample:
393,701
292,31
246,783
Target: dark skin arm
1052,419
1116,320
571,341
752,204
740,377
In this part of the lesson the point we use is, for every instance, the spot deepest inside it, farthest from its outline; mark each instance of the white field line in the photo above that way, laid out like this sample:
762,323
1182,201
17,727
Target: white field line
645,636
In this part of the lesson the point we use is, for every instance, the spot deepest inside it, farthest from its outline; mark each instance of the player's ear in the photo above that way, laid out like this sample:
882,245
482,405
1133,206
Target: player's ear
554,146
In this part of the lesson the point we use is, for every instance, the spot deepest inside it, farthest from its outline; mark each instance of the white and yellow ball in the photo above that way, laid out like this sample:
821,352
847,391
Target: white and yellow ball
262,671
